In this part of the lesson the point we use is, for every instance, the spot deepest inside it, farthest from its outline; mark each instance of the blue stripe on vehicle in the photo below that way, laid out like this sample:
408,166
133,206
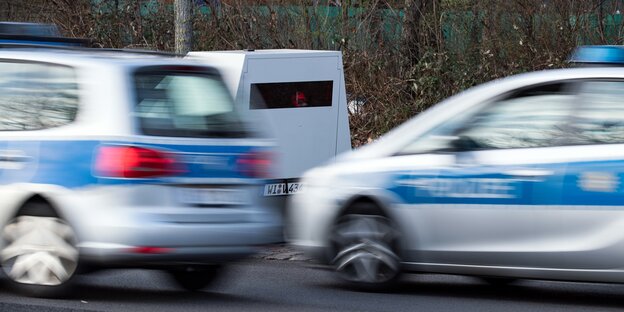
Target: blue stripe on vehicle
487,186
70,163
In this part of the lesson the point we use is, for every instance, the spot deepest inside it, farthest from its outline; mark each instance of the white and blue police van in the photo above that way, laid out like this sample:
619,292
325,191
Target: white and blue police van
122,159
300,97
518,178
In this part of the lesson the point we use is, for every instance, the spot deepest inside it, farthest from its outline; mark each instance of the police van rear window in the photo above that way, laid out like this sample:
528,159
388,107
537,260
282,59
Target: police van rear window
291,94
184,101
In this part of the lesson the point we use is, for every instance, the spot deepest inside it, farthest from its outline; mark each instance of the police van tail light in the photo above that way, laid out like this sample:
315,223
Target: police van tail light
135,162
255,164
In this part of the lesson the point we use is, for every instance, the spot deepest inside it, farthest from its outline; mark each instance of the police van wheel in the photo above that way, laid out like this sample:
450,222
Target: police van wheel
40,256
195,278
365,251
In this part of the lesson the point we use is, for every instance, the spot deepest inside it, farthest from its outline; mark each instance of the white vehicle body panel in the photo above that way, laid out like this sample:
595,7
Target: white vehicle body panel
307,136
111,219
567,242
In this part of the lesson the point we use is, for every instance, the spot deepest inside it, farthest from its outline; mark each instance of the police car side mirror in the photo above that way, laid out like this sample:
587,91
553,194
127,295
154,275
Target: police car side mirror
440,144
463,143
446,144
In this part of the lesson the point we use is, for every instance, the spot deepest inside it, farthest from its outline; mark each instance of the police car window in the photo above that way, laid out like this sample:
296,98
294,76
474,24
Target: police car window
600,117
185,104
533,117
440,137
291,94
536,120
36,96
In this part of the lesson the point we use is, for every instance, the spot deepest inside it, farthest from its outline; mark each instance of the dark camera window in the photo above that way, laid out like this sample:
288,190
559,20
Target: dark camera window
291,94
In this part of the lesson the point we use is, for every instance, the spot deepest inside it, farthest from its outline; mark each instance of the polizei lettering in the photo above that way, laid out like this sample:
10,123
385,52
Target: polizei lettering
465,188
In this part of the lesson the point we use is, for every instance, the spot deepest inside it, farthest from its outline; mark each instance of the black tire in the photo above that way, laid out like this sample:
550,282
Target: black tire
365,250
52,268
195,278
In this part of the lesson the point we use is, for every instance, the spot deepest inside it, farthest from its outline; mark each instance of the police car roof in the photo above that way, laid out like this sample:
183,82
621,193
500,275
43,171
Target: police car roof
84,56
43,42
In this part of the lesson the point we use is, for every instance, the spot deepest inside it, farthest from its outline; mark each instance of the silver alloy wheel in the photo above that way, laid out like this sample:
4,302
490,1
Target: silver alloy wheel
39,251
364,246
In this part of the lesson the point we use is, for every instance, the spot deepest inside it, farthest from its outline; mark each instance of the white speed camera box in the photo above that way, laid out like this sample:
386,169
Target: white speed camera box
301,93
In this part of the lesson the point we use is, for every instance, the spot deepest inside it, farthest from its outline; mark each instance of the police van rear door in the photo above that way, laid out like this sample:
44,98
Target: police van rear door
191,134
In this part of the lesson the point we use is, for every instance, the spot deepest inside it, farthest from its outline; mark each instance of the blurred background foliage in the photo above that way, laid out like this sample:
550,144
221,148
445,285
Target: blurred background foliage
400,56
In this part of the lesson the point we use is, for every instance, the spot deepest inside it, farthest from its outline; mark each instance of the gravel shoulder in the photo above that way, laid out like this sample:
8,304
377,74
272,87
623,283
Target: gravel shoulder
282,252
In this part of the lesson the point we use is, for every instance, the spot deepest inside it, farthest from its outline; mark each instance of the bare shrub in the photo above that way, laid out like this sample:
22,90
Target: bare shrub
400,56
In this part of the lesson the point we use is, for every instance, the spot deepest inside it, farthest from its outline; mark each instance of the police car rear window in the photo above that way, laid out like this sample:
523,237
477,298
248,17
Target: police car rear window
291,94
184,102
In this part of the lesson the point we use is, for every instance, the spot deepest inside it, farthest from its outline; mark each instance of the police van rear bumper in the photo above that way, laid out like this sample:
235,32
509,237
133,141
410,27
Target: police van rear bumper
140,224
146,246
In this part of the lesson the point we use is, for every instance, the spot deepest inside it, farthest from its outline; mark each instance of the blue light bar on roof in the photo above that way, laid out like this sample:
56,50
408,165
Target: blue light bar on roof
40,42
34,34
599,54
29,29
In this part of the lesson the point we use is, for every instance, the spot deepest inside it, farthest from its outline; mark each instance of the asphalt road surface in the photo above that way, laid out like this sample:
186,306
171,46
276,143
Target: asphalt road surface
261,285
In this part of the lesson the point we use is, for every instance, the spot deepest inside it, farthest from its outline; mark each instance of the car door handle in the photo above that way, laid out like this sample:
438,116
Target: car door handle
529,173
12,157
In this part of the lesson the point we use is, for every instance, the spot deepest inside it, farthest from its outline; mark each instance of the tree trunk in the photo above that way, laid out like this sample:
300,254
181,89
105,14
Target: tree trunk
417,32
183,26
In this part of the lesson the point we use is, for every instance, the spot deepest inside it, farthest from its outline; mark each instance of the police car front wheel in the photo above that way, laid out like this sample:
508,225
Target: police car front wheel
365,251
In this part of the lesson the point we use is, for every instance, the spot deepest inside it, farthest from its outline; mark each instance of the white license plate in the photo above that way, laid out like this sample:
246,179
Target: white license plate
294,188
277,189
192,196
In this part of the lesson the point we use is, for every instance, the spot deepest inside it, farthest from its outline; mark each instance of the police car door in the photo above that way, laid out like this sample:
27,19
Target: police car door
587,220
485,211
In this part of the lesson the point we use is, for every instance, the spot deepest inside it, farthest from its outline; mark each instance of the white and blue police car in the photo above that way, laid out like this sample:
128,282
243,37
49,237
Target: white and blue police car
519,178
122,159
